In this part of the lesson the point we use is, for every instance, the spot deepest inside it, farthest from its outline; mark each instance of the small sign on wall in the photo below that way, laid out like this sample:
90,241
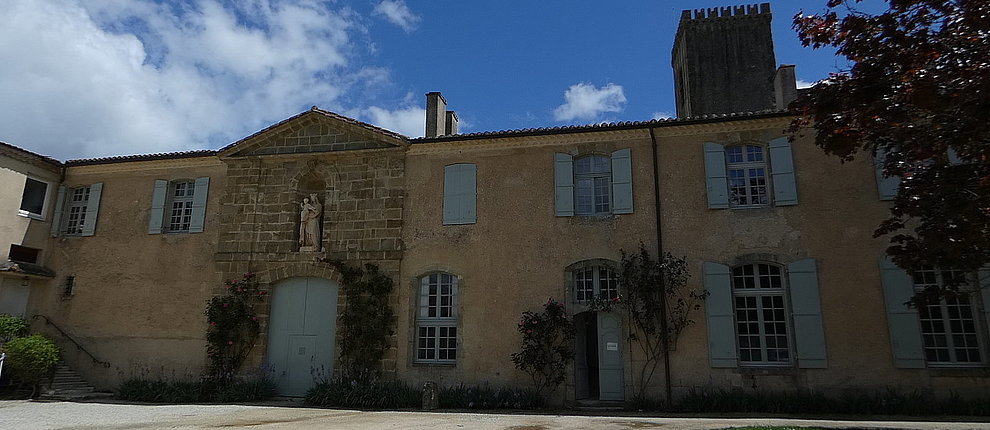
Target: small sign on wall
611,346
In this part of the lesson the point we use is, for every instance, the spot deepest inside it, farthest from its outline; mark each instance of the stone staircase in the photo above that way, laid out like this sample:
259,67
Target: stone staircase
66,384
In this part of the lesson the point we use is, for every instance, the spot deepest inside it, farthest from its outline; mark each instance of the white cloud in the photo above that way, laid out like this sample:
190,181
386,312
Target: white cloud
398,13
805,84
585,101
111,77
661,115
409,121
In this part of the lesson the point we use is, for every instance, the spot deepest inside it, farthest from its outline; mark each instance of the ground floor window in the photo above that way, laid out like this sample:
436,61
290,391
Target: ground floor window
436,319
949,329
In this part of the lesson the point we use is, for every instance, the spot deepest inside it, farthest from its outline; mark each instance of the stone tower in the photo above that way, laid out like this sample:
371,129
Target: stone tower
723,61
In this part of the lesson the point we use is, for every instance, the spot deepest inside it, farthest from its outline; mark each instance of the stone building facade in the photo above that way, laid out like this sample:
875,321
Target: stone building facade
475,229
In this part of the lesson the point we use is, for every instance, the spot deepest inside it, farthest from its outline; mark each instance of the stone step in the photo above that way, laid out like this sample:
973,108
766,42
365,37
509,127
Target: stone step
66,384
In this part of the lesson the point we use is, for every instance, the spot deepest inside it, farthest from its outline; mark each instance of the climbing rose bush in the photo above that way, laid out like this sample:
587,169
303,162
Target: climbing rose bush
547,345
233,327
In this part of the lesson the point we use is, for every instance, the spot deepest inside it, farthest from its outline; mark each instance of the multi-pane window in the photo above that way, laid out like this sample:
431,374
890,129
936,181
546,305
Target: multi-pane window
75,215
180,206
761,314
592,183
948,328
595,282
746,166
436,319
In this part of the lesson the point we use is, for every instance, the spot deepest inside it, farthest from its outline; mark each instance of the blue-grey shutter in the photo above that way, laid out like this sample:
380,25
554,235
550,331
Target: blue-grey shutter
782,171
460,185
200,194
806,310
157,206
953,156
716,178
622,196
902,321
886,186
563,182
984,278
92,209
719,314
57,213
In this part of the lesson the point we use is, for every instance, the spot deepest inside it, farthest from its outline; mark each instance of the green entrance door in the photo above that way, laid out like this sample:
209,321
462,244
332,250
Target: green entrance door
301,333
610,384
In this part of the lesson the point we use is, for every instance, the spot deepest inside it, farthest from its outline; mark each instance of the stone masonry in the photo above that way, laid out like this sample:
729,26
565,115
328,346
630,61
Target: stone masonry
360,184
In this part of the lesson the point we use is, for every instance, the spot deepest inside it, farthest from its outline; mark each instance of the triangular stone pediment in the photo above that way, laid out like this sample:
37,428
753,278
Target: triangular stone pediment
315,131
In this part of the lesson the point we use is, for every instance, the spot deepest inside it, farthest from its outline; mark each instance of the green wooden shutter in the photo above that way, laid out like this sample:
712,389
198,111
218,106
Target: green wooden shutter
886,186
200,194
716,178
622,196
984,278
157,206
460,194
806,311
902,321
57,213
782,172
563,181
92,209
721,318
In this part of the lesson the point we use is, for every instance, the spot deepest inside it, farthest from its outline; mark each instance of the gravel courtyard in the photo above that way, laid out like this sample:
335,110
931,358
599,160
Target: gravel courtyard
26,415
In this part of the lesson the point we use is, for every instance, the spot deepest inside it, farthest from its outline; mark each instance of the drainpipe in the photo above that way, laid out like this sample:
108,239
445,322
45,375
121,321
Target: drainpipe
663,295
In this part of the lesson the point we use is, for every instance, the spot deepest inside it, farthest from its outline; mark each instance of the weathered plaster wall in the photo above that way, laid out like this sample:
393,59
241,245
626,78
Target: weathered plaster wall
139,298
514,258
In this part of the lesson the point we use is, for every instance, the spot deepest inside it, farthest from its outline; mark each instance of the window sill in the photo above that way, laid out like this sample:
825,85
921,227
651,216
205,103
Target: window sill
768,369
31,215
451,364
959,371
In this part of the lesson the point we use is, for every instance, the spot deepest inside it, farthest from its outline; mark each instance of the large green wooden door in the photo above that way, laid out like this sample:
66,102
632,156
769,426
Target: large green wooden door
301,334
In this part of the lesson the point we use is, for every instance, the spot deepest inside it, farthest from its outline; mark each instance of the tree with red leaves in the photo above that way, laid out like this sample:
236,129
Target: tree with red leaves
916,96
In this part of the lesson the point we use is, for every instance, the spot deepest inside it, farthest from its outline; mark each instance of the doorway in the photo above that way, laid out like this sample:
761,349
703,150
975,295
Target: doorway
598,367
302,332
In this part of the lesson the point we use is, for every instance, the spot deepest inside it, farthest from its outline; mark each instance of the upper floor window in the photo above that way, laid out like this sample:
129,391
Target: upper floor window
76,210
747,169
750,175
436,319
34,197
591,282
178,206
593,185
949,329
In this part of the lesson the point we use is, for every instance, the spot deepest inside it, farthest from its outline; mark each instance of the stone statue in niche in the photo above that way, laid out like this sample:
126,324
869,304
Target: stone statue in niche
309,224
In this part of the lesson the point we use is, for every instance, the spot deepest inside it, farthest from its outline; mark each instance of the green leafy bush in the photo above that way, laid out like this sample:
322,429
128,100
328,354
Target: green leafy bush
547,346
369,393
11,327
233,327
485,397
888,402
31,359
161,391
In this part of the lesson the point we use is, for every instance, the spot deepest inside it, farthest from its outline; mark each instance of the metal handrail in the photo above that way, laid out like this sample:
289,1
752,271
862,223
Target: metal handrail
67,336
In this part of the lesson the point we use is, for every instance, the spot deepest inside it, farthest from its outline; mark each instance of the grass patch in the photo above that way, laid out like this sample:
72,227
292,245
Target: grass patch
161,391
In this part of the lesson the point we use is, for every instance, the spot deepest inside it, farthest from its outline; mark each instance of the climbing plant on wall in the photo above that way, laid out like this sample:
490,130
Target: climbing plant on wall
657,304
367,321
547,346
233,327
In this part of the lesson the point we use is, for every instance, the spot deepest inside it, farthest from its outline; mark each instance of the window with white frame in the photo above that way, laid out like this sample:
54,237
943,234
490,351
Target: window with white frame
34,197
591,282
746,166
436,319
180,206
75,211
761,314
592,185
949,329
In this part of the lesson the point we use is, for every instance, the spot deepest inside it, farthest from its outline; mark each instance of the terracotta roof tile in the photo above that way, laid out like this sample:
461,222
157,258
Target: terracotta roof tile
142,157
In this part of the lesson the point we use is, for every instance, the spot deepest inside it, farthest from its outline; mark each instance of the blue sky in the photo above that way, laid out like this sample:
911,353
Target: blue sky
114,77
